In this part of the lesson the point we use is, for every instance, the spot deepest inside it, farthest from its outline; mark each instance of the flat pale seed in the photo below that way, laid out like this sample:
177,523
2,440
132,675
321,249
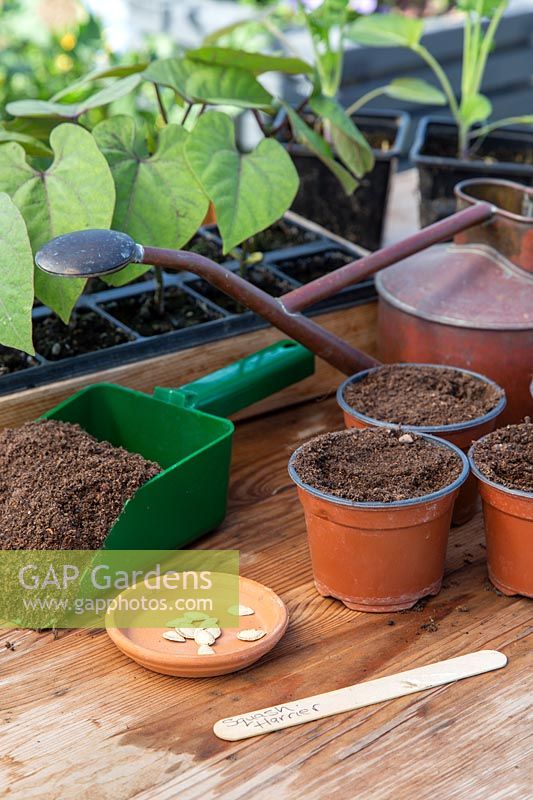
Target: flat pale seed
189,633
205,650
240,611
203,637
215,631
250,634
173,636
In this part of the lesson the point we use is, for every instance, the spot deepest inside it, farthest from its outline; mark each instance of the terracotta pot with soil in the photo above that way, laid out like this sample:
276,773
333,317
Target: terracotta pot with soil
378,505
503,465
454,404
506,153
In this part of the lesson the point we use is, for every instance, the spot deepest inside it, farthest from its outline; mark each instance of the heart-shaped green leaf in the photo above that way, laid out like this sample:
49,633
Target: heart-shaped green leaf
209,83
351,145
159,201
317,145
16,278
475,108
75,192
31,145
71,111
257,63
387,30
415,90
250,191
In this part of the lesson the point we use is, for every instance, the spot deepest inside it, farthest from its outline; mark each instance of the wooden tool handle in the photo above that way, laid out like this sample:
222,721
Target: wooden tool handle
285,715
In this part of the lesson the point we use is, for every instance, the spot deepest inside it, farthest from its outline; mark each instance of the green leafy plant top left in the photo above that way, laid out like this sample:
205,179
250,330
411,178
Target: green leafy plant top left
75,191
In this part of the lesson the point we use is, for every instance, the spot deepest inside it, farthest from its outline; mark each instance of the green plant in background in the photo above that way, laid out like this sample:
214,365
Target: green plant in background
482,18
66,168
42,53
319,122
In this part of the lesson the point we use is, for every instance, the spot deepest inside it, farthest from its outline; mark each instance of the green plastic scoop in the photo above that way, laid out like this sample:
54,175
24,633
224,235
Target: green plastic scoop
178,429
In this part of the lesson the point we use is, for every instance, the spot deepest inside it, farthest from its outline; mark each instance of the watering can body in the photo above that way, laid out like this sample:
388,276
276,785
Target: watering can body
470,303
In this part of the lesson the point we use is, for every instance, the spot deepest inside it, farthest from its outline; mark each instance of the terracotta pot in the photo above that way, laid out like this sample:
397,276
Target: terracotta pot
461,435
379,556
508,515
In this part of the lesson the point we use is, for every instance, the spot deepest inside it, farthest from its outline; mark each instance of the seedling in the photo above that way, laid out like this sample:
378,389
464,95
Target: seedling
481,21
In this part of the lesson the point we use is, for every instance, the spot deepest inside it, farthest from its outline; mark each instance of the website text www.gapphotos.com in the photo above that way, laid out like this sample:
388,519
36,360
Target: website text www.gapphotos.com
122,588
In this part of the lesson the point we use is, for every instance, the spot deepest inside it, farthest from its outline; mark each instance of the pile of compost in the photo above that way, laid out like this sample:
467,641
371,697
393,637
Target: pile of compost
60,488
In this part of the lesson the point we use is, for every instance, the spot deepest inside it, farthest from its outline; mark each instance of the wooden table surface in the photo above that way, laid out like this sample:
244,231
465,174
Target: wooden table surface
79,720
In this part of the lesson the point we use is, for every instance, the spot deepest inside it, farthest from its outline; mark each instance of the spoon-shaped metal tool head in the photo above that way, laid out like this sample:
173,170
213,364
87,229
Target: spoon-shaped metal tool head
88,254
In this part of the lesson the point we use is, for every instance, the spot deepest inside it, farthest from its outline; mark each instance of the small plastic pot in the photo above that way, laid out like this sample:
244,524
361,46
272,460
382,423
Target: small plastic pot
379,557
508,515
461,434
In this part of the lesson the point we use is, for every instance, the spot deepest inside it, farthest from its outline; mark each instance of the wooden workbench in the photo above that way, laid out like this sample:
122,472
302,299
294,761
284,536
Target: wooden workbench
79,720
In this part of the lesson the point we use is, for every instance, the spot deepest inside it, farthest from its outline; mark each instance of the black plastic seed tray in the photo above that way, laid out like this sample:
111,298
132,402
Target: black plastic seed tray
219,317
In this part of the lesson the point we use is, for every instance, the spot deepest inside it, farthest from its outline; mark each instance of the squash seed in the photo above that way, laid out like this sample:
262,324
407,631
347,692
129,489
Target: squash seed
214,631
189,633
250,634
205,650
240,611
173,636
203,637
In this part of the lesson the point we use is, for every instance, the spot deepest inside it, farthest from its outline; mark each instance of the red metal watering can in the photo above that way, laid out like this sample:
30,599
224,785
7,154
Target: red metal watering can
468,304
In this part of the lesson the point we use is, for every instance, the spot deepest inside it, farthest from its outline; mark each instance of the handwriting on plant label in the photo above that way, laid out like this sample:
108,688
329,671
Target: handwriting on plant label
271,716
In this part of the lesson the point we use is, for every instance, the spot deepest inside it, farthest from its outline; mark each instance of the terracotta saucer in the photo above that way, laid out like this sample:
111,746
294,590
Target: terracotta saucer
147,647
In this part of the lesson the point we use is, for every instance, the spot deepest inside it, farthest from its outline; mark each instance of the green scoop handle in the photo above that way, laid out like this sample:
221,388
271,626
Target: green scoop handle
244,382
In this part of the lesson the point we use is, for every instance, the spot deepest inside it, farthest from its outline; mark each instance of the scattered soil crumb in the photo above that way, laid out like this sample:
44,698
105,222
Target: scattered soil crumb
489,587
421,395
373,465
430,626
463,609
61,488
506,456
10,645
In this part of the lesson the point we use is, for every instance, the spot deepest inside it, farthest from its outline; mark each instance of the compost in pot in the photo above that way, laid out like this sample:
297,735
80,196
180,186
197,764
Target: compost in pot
422,395
506,457
61,488
375,465
378,506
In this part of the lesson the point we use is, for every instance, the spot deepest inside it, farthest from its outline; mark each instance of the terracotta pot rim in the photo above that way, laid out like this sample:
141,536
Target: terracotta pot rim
436,430
483,478
372,505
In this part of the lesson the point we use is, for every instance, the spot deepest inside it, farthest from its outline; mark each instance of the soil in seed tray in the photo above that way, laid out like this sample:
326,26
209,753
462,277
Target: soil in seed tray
61,488
206,247
86,332
279,236
506,456
307,268
408,395
14,360
142,315
376,465
258,276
